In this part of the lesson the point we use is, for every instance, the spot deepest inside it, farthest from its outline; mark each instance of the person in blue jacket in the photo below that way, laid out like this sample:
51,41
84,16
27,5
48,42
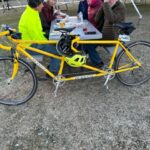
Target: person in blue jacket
83,7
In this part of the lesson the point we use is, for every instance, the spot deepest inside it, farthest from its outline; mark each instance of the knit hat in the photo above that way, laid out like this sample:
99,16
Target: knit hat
94,3
34,3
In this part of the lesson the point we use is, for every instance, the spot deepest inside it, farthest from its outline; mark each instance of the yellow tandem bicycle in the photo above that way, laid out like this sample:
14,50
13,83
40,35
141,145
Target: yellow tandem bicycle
18,81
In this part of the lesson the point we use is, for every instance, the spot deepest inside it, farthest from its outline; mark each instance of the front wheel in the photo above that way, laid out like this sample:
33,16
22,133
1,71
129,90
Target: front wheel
21,88
141,51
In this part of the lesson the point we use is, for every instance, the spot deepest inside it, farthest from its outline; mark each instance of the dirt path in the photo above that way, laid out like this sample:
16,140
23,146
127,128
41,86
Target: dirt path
84,116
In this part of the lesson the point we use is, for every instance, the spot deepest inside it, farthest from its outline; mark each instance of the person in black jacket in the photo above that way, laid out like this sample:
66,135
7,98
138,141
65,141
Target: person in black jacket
113,11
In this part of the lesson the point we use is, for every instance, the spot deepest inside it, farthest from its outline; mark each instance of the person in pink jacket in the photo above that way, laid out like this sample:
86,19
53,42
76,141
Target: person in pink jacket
93,7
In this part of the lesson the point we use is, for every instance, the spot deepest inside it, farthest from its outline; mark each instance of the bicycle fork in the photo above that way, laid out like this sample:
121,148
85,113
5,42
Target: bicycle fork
15,57
15,70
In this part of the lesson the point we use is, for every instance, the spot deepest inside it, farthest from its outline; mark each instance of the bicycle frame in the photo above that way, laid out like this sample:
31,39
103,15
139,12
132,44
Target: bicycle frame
21,45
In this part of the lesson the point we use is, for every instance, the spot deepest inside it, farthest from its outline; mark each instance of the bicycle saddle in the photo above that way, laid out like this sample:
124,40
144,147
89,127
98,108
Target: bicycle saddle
65,29
126,27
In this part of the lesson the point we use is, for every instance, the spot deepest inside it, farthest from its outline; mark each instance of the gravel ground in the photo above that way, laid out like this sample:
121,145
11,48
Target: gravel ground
84,116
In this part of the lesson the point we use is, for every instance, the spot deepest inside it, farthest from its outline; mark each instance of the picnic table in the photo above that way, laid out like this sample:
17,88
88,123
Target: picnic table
74,21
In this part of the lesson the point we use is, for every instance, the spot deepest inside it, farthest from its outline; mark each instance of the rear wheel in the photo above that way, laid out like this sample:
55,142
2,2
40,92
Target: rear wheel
141,51
22,88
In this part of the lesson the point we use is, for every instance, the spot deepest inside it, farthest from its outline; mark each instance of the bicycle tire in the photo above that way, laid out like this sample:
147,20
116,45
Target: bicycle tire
141,51
22,88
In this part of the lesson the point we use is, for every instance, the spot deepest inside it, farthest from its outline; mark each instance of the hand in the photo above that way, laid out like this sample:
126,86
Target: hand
57,12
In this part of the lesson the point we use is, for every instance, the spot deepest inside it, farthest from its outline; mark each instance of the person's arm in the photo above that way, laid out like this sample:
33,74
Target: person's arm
99,15
111,16
79,7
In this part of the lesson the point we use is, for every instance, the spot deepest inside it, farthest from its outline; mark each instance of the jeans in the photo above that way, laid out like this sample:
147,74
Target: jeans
93,54
54,63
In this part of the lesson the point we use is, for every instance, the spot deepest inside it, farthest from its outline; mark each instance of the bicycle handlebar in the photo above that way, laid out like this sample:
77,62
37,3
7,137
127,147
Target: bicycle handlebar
5,47
8,28
4,33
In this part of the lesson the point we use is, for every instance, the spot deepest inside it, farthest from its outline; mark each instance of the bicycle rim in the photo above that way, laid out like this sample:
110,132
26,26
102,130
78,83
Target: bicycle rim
141,51
22,88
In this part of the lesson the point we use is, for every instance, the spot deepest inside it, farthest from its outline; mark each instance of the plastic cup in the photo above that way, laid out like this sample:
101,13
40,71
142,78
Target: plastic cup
62,24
